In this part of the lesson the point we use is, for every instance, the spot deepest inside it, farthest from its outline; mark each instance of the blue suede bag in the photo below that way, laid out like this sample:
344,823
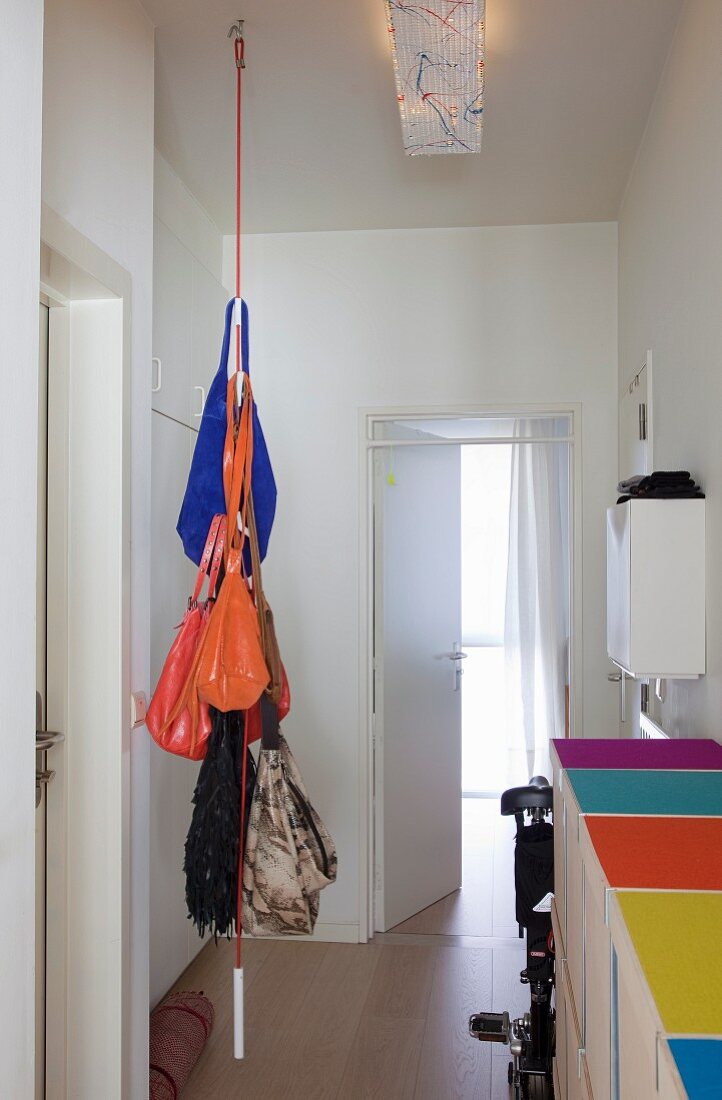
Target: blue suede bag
204,497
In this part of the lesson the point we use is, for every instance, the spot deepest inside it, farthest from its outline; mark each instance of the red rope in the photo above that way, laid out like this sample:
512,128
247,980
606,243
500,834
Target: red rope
239,51
241,848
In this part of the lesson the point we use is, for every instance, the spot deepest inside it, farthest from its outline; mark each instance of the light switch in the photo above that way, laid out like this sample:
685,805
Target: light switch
138,708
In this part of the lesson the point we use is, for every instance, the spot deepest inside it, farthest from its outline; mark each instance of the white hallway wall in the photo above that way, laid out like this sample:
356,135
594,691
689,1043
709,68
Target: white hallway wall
21,56
173,940
670,289
98,174
345,320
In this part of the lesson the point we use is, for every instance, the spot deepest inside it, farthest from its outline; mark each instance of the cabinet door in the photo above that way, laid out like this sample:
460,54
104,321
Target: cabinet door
172,304
635,1024
560,865
171,777
597,992
207,319
574,942
573,1045
618,584
560,1055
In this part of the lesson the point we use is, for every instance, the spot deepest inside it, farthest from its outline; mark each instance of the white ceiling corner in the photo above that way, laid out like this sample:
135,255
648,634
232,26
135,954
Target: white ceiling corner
569,85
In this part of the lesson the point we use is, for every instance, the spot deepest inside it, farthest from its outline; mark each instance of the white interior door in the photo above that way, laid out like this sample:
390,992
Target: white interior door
41,707
418,630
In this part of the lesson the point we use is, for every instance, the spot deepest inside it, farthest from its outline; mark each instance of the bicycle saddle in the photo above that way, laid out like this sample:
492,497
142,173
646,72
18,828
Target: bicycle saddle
535,796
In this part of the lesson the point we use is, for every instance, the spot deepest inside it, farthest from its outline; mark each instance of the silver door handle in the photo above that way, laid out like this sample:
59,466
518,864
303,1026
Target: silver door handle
459,656
202,391
45,739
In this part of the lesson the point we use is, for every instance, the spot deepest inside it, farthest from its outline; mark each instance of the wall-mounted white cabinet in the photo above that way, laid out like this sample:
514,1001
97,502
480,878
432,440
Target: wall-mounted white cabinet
173,941
656,587
188,314
207,318
172,296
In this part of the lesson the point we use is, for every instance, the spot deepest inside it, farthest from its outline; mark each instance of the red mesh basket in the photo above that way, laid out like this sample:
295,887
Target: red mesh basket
179,1029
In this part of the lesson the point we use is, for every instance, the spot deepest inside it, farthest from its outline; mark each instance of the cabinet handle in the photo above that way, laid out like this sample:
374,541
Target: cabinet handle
620,678
201,390
155,361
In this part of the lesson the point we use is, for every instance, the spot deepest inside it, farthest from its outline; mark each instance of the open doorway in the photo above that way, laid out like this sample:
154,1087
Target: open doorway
83,701
472,600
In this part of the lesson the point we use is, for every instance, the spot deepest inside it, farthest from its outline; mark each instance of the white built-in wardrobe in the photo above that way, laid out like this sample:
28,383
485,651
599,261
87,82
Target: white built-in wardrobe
188,312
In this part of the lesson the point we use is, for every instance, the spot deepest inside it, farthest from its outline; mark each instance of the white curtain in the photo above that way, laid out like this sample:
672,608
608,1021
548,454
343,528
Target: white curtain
536,616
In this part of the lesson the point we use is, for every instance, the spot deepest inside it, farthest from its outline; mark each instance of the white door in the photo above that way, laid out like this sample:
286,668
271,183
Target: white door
418,631
41,708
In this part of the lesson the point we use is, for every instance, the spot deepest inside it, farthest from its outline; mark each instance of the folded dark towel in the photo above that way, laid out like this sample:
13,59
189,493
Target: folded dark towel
664,493
656,480
630,484
668,477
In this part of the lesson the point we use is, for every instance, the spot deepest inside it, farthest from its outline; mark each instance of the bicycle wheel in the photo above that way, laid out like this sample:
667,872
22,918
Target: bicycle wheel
536,1088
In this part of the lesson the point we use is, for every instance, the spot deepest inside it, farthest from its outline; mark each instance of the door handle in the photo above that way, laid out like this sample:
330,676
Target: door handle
457,655
46,739
155,361
201,390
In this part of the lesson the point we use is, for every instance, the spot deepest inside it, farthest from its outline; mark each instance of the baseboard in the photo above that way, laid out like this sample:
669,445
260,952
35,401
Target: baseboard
323,933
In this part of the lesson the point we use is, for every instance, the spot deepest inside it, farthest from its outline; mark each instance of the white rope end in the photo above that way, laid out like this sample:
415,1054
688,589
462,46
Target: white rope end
238,1047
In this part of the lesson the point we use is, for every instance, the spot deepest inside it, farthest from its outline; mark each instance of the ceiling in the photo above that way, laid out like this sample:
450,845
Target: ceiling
569,85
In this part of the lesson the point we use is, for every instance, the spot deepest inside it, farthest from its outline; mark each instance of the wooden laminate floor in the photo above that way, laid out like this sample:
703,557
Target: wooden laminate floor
485,904
327,1021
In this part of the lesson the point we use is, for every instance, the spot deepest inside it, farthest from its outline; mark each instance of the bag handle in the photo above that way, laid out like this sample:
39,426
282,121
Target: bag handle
270,726
237,466
256,570
211,541
217,557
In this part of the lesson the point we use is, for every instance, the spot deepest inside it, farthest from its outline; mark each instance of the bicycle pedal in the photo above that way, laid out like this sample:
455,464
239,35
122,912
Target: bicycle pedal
490,1027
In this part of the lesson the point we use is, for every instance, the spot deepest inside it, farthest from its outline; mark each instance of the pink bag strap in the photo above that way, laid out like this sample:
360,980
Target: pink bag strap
206,558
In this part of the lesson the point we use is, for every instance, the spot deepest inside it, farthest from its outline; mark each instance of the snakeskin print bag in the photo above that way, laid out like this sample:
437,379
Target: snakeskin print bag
289,854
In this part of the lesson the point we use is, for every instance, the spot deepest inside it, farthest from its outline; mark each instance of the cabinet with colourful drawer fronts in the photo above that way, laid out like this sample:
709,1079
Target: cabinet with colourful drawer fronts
638,894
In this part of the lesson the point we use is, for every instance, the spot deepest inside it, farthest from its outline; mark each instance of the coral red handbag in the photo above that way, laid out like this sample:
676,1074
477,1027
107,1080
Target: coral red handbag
232,672
186,733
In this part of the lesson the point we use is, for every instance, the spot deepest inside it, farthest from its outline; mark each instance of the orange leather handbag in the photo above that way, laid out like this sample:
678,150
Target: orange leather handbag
185,730
232,672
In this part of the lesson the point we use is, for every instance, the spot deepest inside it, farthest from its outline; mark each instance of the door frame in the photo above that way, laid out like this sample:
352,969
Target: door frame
370,677
88,854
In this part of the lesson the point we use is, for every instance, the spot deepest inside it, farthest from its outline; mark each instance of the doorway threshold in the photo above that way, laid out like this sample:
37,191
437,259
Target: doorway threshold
411,939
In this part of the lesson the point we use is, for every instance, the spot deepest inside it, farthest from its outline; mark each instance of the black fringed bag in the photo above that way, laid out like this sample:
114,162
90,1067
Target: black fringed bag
211,851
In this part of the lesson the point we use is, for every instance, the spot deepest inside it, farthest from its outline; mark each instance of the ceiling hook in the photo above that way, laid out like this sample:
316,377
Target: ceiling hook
236,32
